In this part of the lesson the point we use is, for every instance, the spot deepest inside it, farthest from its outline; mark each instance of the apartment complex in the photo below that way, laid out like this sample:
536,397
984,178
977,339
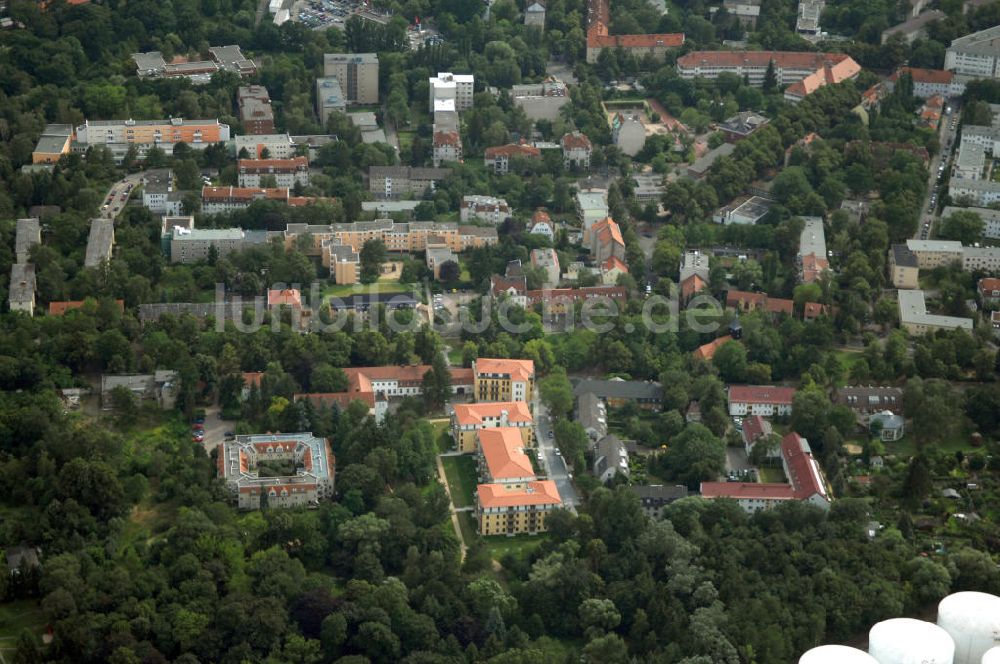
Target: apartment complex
224,199
811,258
277,146
312,481
468,420
503,511
99,242
541,101
501,458
119,135
990,217
357,74
765,400
576,149
930,82
398,237
592,207
195,245
446,146
256,113
286,172
221,58
599,37
451,91
803,72
484,208
976,55
503,380
808,16
499,157
21,290
395,181
329,98
805,481
904,267
935,253
913,316
974,191
606,241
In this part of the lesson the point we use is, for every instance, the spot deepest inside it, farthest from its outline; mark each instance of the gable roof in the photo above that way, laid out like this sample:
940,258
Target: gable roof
608,231
469,414
707,351
691,285
754,427
543,492
771,394
503,451
522,370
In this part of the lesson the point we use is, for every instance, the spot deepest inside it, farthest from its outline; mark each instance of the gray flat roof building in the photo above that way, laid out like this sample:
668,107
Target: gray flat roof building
701,165
620,390
29,233
100,242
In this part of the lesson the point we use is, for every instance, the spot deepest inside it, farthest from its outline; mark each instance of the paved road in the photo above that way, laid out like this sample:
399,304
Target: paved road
553,463
113,203
945,137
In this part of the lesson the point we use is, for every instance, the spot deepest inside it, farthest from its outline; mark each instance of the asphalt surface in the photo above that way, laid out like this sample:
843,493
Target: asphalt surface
113,203
946,135
553,463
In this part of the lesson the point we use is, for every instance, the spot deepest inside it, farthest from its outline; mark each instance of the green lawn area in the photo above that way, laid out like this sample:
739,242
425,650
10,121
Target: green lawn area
442,436
455,356
18,615
847,360
462,479
405,139
771,475
467,524
341,290
907,447
519,545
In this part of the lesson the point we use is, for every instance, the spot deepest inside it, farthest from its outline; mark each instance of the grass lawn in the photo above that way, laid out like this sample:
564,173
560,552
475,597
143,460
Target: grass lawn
847,360
519,545
455,356
405,139
461,474
341,290
467,524
442,436
907,447
771,475
18,615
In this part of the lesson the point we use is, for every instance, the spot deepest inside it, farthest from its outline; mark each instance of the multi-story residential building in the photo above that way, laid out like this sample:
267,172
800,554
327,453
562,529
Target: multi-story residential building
194,245
606,241
746,302
541,101
866,400
616,392
29,233
746,13
592,207
270,146
914,27
547,259
99,242
446,146
501,458
377,408
499,157
808,16
458,88
599,37
484,208
990,217
974,192
395,181
930,82
223,58
503,379
224,199
402,381
437,254
329,98
628,132
805,481
286,172
904,267
541,224
357,74
159,194
766,400
560,301
913,316
610,458
119,135
935,253
653,498
55,141
344,262
989,291
468,420
21,291
985,259
976,55
576,150
803,72
311,482
811,258
700,167
534,14
503,511
256,113
694,263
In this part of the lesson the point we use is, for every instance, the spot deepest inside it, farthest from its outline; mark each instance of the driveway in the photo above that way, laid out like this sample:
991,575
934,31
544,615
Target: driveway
736,459
215,429
554,464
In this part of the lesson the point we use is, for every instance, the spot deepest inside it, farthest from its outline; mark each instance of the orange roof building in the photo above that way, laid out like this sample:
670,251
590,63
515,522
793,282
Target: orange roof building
606,240
598,37
504,511
469,419
502,459
59,308
289,297
498,157
503,379
707,351
691,286
746,301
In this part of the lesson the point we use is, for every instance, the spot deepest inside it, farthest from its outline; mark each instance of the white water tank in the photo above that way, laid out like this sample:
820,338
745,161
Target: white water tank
837,655
973,620
909,641
992,656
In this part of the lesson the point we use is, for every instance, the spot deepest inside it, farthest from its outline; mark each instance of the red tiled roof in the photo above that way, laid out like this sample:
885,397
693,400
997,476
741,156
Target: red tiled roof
755,426
575,141
707,351
813,310
576,294
668,40
747,491
693,284
608,231
500,284
503,451
782,59
292,164
930,76
288,296
772,394
543,492
813,266
469,414
447,138
512,150
61,307
517,369
540,216
989,284
615,263
803,470
828,74
248,193
252,378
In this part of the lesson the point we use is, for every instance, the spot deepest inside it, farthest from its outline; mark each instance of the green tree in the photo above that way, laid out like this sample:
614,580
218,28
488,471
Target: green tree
373,254
557,392
964,226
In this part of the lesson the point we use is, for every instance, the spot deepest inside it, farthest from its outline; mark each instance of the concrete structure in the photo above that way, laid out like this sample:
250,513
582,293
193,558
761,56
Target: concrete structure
503,379
437,254
119,135
746,13
541,101
277,146
576,150
742,125
808,17
976,55
286,172
55,141
499,157
805,481
694,263
256,113
311,481
803,72
610,458
329,98
458,88
745,210
193,246
915,27
223,58
599,37
29,233
225,199
990,217
618,392
446,146
21,290
765,400
344,263
547,259
501,458
502,511
702,164
160,386
836,655
654,498
592,207
534,14
357,74
931,82
159,193
913,316
935,253
905,640
484,208
811,257
891,427
974,192
99,242
628,132
395,181
606,241
468,420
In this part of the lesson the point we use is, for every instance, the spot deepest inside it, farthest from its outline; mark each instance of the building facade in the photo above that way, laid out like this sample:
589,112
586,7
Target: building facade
286,172
484,208
329,98
504,380
256,113
395,181
503,511
357,74
976,55
119,135
457,88
765,400
467,420
312,481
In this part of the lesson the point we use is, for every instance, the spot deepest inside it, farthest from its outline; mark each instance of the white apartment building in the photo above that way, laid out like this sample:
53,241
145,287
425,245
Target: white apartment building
458,87
977,54
329,98
278,146
913,316
986,259
286,172
935,253
485,208
975,192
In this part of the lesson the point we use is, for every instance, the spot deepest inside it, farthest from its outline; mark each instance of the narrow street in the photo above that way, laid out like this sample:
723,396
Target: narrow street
553,463
113,203
944,156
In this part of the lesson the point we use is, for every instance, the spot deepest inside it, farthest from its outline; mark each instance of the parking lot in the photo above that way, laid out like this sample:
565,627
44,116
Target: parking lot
322,14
